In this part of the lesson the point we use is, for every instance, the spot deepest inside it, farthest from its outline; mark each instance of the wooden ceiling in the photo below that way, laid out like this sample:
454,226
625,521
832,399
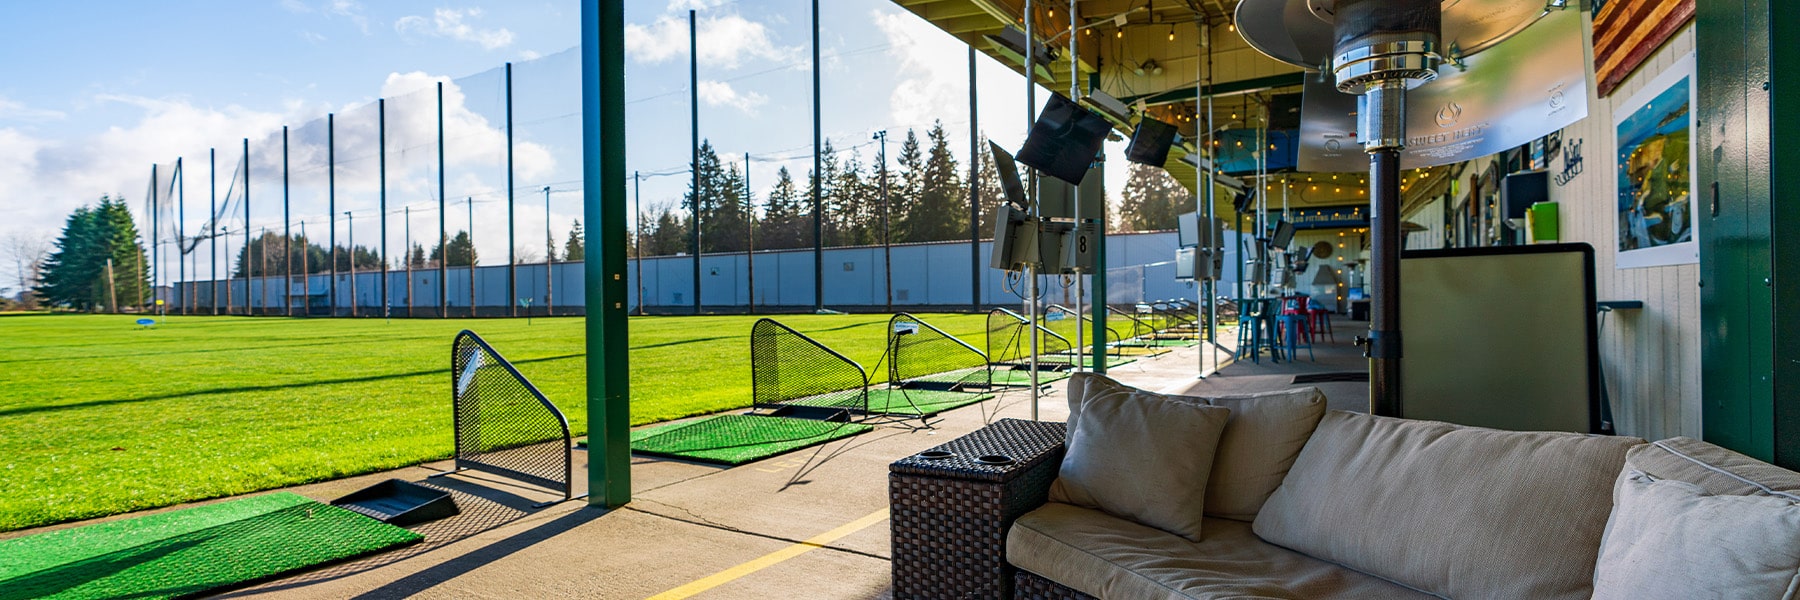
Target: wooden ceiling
1160,56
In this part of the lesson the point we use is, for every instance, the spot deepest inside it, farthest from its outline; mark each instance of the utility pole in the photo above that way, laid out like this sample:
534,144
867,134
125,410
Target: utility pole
637,204
305,269
887,245
443,214
407,255
471,257
381,127
512,261
181,250
331,206
212,227
350,223
287,231
549,260
974,192
694,148
750,233
818,146
245,262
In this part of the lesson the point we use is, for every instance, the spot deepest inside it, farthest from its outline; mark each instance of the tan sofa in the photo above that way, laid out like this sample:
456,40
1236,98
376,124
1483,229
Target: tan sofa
1373,507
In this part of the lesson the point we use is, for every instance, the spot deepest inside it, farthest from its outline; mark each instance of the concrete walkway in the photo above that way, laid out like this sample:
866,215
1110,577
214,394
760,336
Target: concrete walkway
809,524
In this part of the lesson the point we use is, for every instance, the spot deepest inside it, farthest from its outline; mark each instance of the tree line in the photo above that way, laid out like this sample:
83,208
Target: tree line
927,201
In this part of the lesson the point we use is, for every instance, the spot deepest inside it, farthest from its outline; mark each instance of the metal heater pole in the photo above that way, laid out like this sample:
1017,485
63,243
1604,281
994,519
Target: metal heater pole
1031,273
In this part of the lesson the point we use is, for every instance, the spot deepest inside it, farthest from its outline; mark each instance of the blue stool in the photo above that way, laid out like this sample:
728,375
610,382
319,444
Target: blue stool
1294,336
1257,330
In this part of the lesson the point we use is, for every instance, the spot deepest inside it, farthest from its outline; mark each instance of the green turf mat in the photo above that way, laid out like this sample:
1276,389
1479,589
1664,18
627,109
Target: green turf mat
920,402
738,439
185,552
1022,377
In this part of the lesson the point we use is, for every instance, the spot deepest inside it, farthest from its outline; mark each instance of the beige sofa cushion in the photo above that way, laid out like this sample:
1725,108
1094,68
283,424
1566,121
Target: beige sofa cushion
1670,540
1264,436
1462,512
1108,557
1719,471
1144,457
1261,441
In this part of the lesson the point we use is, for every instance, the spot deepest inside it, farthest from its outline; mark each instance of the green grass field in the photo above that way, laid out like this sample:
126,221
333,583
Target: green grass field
99,417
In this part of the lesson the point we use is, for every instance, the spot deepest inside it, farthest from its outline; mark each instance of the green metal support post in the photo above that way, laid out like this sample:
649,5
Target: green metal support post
603,205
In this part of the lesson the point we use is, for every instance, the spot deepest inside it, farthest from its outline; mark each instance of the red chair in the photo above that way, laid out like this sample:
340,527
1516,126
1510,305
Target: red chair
1296,306
1319,319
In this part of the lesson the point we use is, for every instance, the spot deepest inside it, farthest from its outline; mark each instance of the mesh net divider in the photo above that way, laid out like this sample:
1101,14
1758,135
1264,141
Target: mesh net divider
788,369
920,353
1008,344
1112,335
504,425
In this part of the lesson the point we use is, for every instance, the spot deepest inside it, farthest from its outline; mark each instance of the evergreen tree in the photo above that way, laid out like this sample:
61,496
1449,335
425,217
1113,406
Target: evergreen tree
782,221
669,235
416,258
272,245
854,217
573,249
904,190
827,180
461,250
75,273
939,211
1150,200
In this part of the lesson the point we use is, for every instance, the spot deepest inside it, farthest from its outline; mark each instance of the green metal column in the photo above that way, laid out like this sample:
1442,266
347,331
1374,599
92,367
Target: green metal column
603,205
1783,110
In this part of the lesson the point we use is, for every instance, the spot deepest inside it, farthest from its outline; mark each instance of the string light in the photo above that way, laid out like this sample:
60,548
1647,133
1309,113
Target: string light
1121,33
1171,33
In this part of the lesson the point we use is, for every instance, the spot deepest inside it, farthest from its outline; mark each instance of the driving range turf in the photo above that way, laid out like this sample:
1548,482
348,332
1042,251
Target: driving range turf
100,417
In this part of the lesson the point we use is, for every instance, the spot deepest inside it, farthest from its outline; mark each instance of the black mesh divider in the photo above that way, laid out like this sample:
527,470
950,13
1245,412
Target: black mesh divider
1140,329
504,425
790,371
1008,342
923,356
1065,326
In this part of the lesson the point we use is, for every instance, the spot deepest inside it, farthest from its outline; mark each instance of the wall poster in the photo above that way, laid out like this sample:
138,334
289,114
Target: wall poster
1655,208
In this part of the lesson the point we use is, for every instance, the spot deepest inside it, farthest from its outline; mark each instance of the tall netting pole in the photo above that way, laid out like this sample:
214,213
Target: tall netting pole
212,227
974,192
381,160
331,205
443,212
245,261
512,261
287,231
817,174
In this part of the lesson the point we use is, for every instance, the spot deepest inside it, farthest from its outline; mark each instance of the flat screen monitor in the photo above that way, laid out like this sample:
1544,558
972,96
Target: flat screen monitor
1284,235
1187,230
1502,337
1064,140
1009,176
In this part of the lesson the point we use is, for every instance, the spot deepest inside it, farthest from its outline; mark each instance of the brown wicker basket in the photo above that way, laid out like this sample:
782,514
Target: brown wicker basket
1031,586
951,506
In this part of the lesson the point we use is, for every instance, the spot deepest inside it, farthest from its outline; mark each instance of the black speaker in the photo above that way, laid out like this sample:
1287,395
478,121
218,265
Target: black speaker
1241,202
1150,142
1064,140
1519,191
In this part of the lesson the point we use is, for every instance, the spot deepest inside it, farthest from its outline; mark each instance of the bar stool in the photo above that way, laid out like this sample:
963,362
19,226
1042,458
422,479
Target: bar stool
1319,319
1257,330
1296,332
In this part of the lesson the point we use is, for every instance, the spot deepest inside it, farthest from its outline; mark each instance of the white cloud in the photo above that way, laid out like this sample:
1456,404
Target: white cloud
530,55
933,75
719,93
12,110
450,23
724,41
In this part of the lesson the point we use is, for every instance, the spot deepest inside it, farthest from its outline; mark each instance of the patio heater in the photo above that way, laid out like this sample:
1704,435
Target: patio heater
1377,52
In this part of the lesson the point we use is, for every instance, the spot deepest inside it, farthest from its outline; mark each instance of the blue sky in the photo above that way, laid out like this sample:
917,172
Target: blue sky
133,84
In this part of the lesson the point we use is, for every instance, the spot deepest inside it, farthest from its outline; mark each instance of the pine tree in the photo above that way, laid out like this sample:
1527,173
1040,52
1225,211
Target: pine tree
416,258
669,235
780,228
938,212
1150,200
573,249
827,181
75,274
274,246
990,194
904,190
461,251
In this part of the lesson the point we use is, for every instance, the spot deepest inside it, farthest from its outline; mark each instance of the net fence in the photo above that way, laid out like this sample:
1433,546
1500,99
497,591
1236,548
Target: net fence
504,425
1009,341
923,356
789,369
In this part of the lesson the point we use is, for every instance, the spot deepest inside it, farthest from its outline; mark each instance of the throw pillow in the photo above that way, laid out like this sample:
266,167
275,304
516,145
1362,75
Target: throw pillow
1260,443
1143,457
1669,539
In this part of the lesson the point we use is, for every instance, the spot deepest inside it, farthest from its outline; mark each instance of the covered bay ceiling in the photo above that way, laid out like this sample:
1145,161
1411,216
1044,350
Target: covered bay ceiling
1158,58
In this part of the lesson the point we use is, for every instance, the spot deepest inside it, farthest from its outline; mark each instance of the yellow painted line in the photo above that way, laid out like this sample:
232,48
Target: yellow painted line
772,558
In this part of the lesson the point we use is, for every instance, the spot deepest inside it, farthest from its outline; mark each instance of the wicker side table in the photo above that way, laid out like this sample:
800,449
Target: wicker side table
949,513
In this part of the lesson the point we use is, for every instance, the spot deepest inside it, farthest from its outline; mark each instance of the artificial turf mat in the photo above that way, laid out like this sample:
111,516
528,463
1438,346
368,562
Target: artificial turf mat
1022,377
919,402
186,552
737,439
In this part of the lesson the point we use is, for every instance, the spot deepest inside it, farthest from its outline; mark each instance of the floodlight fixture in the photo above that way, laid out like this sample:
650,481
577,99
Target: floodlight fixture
1379,50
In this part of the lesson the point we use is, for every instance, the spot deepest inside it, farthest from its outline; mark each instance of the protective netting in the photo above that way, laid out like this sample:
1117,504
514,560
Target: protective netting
1065,321
920,355
504,425
1009,341
787,368
1130,323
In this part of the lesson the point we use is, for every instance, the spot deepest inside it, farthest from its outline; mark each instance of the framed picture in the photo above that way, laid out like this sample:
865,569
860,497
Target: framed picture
1656,222
1627,32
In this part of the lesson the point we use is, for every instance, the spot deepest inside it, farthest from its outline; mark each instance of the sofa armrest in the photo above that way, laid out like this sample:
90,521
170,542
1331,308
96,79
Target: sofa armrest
950,507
